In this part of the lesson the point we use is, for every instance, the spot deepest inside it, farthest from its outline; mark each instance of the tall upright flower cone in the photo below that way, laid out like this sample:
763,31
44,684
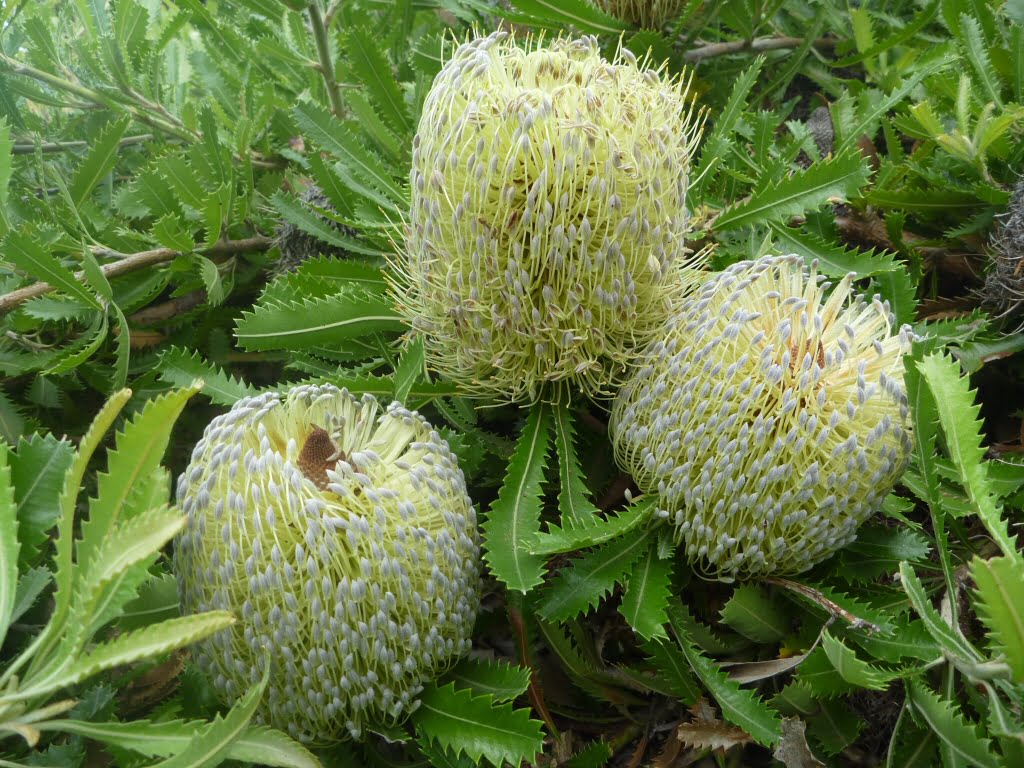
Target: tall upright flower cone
771,420
341,536
545,242
648,14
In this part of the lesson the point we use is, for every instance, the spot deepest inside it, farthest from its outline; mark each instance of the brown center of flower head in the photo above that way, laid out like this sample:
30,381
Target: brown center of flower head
794,356
319,454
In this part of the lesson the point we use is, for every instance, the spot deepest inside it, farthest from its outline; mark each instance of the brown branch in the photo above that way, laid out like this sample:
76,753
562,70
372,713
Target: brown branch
48,147
758,45
165,310
134,262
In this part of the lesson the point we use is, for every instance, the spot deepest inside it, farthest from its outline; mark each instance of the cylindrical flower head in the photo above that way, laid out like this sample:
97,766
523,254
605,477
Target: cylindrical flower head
341,536
545,239
771,421
649,14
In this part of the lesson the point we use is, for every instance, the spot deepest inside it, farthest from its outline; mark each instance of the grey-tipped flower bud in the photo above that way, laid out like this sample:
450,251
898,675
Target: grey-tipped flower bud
649,14
545,242
771,421
341,536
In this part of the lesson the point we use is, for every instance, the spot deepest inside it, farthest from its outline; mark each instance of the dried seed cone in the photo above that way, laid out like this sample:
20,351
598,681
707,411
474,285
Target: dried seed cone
649,14
545,239
341,535
771,421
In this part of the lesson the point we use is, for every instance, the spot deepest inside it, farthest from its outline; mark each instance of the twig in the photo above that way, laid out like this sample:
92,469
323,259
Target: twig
757,45
831,606
323,50
165,310
134,262
49,147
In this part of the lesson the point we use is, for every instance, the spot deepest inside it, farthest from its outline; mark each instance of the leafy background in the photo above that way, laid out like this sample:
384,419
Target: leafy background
212,190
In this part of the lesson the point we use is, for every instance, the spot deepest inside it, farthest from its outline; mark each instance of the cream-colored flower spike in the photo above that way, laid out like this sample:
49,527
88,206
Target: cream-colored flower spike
771,420
648,14
341,536
545,242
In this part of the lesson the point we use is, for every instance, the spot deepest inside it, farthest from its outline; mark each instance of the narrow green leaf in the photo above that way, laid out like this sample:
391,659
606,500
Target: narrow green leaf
304,324
958,416
476,726
374,74
83,348
954,645
211,279
38,467
30,587
513,520
170,231
12,420
579,586
839,177
497,678
754,615
574,504
295,213
1000,605
575,13
833,260
156,639
409,369
716,145
975,50
99,162
647,594
8,544
29,256
256,744
212,745
673,673
946,722
179,367
740,707
6,161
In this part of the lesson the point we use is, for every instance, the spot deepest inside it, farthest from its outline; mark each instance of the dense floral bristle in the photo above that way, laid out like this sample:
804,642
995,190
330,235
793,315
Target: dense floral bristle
649,14
771,420
545,243
341,536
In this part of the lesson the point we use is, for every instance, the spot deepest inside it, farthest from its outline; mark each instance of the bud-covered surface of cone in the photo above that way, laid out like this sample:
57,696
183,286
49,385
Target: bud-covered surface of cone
341,536
771,421
545,243
648,14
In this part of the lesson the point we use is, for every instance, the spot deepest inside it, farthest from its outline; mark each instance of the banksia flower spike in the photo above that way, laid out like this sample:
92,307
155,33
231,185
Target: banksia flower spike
340,534
771,421
648,14
545,242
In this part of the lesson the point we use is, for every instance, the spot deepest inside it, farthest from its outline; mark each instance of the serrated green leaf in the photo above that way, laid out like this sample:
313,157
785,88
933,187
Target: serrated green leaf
818,675
841,176
6,163
647,593
156,639
513,520
211,279
170,231
574,504
256,744
716,145
878,550
299,215
834,725
304,324
76,353
8,544
946,722
38,467
322,276
587,579
496,678
740,707
908,639
29,256
136,455
975,49
576,13
99,162
754,615
374,74
597,530
1000,605
476,726
852,669
674,676
954,645
30,587
333,136
595,755
157,600
833,260
12,420
958,416
179,367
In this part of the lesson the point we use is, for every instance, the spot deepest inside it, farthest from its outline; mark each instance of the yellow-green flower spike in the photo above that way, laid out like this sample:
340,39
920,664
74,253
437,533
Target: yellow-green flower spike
648,14
341,536
771,420
545,242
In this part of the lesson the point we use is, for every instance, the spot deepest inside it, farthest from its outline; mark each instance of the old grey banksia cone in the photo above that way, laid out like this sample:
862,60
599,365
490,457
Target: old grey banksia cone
340,534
